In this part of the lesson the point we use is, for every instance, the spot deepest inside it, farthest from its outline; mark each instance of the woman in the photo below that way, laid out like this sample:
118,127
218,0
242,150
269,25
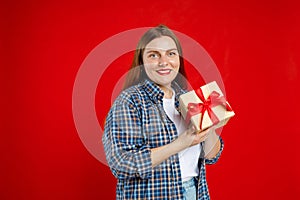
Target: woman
148,147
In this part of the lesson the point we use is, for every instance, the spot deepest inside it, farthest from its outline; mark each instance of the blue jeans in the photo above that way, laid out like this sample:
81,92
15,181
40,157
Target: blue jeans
190,189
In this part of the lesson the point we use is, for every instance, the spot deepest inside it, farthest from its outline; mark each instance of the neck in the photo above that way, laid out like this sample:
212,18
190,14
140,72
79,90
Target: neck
168,92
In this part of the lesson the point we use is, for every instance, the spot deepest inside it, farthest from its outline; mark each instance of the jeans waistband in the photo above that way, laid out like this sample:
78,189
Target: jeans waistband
190,183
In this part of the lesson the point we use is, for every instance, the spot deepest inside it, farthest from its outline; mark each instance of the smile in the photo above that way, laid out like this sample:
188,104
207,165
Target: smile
164,71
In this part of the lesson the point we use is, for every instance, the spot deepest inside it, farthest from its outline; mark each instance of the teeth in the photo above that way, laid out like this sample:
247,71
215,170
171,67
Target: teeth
164,71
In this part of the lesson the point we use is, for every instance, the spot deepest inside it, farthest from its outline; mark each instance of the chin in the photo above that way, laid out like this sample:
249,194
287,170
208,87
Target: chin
164,83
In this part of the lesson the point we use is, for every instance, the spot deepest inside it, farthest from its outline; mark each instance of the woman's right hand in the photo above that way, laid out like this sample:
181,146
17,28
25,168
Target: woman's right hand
188,138
191,137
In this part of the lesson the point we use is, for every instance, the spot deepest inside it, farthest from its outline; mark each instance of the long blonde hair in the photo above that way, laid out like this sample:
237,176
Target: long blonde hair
137,72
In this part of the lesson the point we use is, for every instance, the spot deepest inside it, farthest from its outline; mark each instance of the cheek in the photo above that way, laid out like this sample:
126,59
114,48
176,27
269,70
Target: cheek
149,62
148,69
175,63
149,66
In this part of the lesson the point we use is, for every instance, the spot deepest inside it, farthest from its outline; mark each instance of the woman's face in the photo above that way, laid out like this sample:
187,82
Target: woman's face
161,61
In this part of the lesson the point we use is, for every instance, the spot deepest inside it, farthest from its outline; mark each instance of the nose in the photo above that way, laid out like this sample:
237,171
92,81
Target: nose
163,61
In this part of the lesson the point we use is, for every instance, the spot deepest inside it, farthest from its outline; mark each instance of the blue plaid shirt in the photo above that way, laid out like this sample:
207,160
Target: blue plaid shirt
135,124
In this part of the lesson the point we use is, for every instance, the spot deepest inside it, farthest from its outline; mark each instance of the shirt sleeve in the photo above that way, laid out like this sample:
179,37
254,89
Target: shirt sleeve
213,160
127,153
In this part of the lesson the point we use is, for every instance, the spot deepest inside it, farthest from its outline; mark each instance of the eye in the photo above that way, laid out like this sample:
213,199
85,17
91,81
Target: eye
172,53
153,55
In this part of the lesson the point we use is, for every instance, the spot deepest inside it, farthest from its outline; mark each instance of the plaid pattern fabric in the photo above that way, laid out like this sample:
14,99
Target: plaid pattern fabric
136,123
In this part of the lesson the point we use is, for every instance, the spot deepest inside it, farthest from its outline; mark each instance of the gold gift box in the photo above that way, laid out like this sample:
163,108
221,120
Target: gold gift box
220,111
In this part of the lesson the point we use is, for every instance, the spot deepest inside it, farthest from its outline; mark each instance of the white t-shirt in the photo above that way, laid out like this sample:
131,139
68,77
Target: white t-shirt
188,158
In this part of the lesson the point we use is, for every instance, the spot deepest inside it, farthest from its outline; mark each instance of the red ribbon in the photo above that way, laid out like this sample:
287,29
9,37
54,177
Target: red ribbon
214,99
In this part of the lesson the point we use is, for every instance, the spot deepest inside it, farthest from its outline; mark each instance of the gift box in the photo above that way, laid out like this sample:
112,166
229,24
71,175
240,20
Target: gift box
205,107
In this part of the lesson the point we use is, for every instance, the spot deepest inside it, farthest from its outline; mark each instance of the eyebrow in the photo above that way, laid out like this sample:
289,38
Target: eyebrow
151,50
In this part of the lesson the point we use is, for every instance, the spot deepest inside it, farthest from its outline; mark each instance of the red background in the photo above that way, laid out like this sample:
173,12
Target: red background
255,45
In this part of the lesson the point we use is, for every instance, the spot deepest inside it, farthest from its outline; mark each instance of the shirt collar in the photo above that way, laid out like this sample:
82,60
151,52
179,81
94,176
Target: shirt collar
156,94
153,90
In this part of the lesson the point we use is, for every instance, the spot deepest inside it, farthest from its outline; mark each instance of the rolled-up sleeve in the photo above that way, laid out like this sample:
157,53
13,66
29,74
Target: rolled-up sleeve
213,160
127,152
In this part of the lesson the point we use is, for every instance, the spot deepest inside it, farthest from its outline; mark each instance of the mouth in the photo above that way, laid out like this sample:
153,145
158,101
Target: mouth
164,72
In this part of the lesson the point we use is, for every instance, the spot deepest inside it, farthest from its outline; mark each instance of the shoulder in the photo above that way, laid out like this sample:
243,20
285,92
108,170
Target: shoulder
132,96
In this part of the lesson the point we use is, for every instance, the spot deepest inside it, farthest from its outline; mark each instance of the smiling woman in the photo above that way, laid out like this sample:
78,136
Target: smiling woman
137,73
161,62
148,146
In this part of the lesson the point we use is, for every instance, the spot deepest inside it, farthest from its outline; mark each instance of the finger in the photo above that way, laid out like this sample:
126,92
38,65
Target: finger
204,136
213,128
200,137
204,133
192,130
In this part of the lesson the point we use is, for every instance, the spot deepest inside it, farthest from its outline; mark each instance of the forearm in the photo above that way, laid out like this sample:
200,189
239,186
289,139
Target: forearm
185,140
160,154
212,145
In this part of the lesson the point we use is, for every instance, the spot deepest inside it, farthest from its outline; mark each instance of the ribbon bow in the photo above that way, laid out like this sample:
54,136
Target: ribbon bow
214,99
